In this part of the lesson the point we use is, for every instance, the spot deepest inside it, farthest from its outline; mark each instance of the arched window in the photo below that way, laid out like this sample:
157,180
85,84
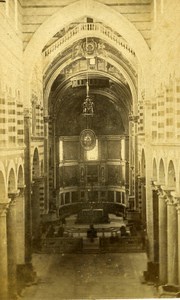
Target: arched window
93,154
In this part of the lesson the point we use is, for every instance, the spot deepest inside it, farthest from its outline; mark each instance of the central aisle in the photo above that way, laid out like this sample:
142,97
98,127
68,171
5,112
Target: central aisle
89,276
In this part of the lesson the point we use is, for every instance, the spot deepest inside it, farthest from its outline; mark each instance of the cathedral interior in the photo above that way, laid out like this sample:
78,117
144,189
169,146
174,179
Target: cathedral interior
89,149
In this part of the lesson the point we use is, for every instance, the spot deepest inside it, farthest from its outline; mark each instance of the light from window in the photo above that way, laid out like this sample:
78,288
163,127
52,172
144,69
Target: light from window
93,154
123,149
61,150
162,6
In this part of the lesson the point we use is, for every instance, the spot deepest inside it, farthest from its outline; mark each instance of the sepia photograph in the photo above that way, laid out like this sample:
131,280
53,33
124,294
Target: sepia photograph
89,149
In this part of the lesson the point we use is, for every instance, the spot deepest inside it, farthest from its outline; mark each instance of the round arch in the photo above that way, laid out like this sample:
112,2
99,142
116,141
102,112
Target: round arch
171,175
154,170
42,167
161,172
35,164
11,176
143,164
3,186
12,184
75,11
20,176
115,64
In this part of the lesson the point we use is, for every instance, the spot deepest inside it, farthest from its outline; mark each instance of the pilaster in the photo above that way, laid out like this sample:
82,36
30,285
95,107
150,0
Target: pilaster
178,213
3,251
27,191
149,217
177,202
162,237
171,239
12,244
142,184
35,208
20,225
46,161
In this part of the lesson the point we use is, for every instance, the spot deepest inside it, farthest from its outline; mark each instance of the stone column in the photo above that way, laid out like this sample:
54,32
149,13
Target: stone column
20,226
133,158
12,245
64,198
123,170
148,166
54,152
156,225
70,196
27,191
130,154
115,197
46,161
171,241
149,213
178,231
162,238
136,161
3,252
35,209
127,161
143,198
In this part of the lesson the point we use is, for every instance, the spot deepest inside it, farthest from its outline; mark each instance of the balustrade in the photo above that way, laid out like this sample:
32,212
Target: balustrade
89,27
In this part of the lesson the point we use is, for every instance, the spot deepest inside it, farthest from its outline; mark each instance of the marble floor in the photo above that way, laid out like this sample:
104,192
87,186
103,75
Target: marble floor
89,276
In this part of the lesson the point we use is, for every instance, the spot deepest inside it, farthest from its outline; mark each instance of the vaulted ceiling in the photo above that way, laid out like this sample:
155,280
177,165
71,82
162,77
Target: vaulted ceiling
98,62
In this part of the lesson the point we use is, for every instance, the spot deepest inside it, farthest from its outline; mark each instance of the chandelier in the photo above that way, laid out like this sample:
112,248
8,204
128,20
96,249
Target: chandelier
87,136
88,104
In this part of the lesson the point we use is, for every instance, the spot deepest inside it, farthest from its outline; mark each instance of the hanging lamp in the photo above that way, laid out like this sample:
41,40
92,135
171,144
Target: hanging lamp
87,136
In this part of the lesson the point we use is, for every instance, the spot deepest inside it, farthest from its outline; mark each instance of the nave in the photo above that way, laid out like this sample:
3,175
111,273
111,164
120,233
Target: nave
89,121
89,276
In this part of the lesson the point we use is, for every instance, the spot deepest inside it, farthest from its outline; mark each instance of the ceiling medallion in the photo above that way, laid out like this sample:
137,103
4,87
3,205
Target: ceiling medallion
89,47
88,139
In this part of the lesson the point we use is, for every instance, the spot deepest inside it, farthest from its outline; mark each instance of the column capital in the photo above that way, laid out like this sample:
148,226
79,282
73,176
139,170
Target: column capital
4,207
168,190
133,118
21,189
46,119
170,201
178,207
27,113
178,210
12,195
148,103
142,180
176,198
157,187
37,179
52,117
37,105
162,195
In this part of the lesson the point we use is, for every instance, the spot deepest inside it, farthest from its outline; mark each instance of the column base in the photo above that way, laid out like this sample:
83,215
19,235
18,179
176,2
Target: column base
152,273
25,276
